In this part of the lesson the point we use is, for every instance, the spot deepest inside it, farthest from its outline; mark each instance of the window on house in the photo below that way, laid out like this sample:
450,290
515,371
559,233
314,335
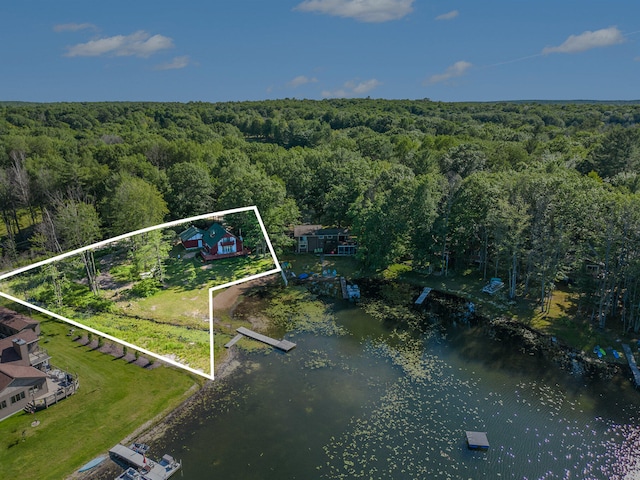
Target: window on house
3,404
18,397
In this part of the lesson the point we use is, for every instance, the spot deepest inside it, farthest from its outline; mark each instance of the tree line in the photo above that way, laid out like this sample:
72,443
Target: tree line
534,193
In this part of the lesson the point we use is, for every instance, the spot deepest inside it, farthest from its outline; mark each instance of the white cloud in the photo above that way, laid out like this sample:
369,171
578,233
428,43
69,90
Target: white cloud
373,11
175,64
301,80
334,93
587,40
456,70
73,27
140,44
448,16
363,87
352,89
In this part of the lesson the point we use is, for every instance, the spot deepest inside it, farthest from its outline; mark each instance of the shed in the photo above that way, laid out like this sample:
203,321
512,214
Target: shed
191,238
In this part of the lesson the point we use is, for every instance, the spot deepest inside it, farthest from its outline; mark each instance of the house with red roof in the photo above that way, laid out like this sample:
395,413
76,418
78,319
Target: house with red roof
214,243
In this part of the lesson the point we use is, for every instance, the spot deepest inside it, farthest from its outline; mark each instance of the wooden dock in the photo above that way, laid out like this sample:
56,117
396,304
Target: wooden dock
233,341
343,284
632,363
284,345
423,295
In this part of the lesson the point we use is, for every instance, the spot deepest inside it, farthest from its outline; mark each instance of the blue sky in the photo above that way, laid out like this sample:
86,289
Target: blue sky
208,50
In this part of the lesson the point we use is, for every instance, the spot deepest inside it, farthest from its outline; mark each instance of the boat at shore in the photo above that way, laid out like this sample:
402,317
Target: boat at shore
140,467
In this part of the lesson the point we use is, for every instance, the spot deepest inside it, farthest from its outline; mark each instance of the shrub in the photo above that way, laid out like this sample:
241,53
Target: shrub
145,288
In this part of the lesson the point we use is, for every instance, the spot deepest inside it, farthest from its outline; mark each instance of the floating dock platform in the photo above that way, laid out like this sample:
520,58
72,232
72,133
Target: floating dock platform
477,440
284,345
423,295
632,364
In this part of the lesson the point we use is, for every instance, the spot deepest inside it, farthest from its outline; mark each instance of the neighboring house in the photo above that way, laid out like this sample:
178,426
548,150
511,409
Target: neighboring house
19,385
26,379
23,349
12,322
214,243
330,241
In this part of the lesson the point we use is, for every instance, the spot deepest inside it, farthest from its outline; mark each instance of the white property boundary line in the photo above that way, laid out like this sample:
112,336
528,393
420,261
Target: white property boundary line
137,232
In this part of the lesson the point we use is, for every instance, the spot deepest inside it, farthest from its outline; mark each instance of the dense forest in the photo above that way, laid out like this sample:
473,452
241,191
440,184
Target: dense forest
534,193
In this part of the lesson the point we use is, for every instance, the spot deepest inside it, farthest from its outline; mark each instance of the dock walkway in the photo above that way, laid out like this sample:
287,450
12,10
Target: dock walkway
632,363
423,295
233,341
284,345
343,285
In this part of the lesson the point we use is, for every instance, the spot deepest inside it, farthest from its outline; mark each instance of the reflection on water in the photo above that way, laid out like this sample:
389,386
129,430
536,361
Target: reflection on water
376,403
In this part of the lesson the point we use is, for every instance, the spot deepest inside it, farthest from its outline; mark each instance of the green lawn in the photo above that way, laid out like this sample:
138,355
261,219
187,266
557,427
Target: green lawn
172,321
114,399
312,263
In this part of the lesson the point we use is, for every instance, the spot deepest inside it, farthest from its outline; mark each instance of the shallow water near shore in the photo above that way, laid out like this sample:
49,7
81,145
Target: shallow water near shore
371,401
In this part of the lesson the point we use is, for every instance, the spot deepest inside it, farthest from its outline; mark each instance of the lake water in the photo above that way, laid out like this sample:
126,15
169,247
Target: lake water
357,399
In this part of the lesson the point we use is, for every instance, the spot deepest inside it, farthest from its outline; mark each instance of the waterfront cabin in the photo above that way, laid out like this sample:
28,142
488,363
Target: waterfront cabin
214,243
328,241
220,243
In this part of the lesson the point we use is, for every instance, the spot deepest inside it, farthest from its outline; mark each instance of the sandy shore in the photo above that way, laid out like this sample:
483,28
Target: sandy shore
226,301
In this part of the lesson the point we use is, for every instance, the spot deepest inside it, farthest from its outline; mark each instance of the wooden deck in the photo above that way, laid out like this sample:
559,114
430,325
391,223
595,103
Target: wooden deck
423,295
207,257
632,364
283,345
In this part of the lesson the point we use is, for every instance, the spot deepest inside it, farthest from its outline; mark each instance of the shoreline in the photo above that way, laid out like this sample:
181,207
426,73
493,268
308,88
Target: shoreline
501,328
155,428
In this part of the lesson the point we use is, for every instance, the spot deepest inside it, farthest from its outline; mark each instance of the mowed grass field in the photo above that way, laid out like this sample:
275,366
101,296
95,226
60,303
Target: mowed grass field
115,398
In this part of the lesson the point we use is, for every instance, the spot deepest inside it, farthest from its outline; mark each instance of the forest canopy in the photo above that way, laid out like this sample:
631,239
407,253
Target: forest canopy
535,193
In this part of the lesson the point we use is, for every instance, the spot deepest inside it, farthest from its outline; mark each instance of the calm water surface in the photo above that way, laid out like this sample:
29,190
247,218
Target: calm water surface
358,400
